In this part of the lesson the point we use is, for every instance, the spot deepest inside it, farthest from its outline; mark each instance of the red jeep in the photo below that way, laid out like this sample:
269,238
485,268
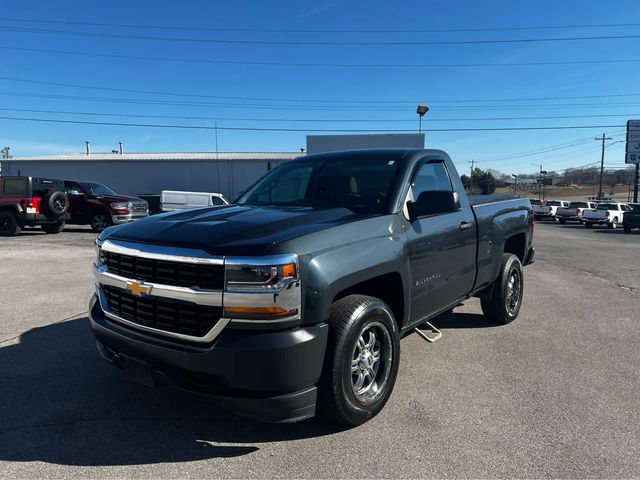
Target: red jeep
31,201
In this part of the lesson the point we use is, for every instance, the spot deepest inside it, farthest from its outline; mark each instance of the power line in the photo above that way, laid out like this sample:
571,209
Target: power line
207,127
305,100
295,120
366,108
311,30
8,28
320,65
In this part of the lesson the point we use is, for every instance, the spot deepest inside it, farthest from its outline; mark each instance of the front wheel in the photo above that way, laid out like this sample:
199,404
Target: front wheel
614,223
361,364
100,221
502,304
588,224
561,221
627,229
9,226
53,228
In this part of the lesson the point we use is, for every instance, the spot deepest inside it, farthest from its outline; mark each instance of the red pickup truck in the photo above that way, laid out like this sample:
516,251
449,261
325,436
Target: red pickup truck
97,205
32,201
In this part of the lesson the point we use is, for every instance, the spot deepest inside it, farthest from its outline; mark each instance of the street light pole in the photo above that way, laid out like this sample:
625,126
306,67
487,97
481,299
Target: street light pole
421,111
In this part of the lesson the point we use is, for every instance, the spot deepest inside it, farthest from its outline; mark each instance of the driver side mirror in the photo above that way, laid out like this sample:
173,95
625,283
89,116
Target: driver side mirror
432,203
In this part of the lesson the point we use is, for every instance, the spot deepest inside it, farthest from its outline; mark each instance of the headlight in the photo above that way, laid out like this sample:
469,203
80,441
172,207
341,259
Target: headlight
121,205
260,278
262,290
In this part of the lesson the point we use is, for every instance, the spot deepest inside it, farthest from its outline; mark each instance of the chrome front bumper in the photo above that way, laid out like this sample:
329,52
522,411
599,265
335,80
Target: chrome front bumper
120,219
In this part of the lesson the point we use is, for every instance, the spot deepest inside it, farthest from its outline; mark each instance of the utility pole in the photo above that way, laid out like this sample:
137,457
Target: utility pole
604,137
472,162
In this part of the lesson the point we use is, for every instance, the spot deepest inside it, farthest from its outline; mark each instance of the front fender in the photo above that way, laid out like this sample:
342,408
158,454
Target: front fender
332,271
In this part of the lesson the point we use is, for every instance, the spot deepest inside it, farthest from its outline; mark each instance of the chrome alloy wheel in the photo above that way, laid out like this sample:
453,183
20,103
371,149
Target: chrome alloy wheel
514,291
371,362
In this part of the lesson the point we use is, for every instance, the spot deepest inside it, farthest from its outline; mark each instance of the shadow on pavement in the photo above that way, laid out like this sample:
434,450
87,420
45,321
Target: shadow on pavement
463,320
62,404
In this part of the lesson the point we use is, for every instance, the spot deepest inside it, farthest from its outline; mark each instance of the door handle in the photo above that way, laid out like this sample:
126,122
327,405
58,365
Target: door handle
464,225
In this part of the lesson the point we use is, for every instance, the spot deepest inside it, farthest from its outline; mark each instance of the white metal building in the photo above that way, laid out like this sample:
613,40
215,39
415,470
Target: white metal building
136,173
229,173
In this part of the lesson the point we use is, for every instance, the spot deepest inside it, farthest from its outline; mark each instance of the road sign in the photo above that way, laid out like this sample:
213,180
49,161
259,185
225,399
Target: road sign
633,142
633,158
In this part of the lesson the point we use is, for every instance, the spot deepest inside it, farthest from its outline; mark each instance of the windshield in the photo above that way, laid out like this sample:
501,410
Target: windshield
360,184
552,203
536,202
97,189
579,205
635,207
607,206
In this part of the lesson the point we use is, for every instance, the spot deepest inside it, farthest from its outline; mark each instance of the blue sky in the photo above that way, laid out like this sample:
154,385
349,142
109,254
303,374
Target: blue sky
384,96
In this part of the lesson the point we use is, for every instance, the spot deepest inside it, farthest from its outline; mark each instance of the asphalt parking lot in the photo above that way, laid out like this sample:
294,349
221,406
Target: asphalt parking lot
554,394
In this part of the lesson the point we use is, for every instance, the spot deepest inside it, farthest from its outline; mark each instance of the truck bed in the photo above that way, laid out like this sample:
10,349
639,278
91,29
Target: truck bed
478,200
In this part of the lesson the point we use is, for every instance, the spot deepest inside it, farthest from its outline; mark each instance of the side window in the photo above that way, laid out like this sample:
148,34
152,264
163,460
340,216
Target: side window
216,200
432,177
15,186
72,188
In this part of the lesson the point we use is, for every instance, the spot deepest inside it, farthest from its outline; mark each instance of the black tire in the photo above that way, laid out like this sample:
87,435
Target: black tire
55,204
562,221
53,228
627,229
614,223
349,358
588,224
502,303
99,221
9,226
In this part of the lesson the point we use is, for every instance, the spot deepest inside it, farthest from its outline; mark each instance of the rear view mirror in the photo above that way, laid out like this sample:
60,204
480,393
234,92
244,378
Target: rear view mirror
432,203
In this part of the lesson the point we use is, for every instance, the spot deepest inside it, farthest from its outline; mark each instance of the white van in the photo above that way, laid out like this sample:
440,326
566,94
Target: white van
171,200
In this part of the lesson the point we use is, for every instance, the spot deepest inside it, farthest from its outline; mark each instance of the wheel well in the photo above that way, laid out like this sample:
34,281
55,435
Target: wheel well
516,245
9,208
387,288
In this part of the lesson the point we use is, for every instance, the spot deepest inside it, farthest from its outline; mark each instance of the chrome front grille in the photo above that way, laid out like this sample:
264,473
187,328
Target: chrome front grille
180,292
139,208
165,315
192,275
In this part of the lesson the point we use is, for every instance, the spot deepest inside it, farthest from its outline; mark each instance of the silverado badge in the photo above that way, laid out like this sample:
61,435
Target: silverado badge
138,289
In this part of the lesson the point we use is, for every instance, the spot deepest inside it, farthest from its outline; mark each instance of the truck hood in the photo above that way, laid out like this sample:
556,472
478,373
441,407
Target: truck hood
233,229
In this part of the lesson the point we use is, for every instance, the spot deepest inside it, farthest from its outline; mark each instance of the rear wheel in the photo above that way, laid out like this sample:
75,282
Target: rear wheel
561,220
614,223
53,228
9,226
588,224
502,303
100,221
627,229
362,360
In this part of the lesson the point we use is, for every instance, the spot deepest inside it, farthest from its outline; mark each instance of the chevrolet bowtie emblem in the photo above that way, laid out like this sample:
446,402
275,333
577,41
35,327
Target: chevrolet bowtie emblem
138,289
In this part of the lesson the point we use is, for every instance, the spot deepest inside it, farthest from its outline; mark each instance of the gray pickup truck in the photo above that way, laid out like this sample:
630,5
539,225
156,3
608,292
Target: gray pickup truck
292,300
